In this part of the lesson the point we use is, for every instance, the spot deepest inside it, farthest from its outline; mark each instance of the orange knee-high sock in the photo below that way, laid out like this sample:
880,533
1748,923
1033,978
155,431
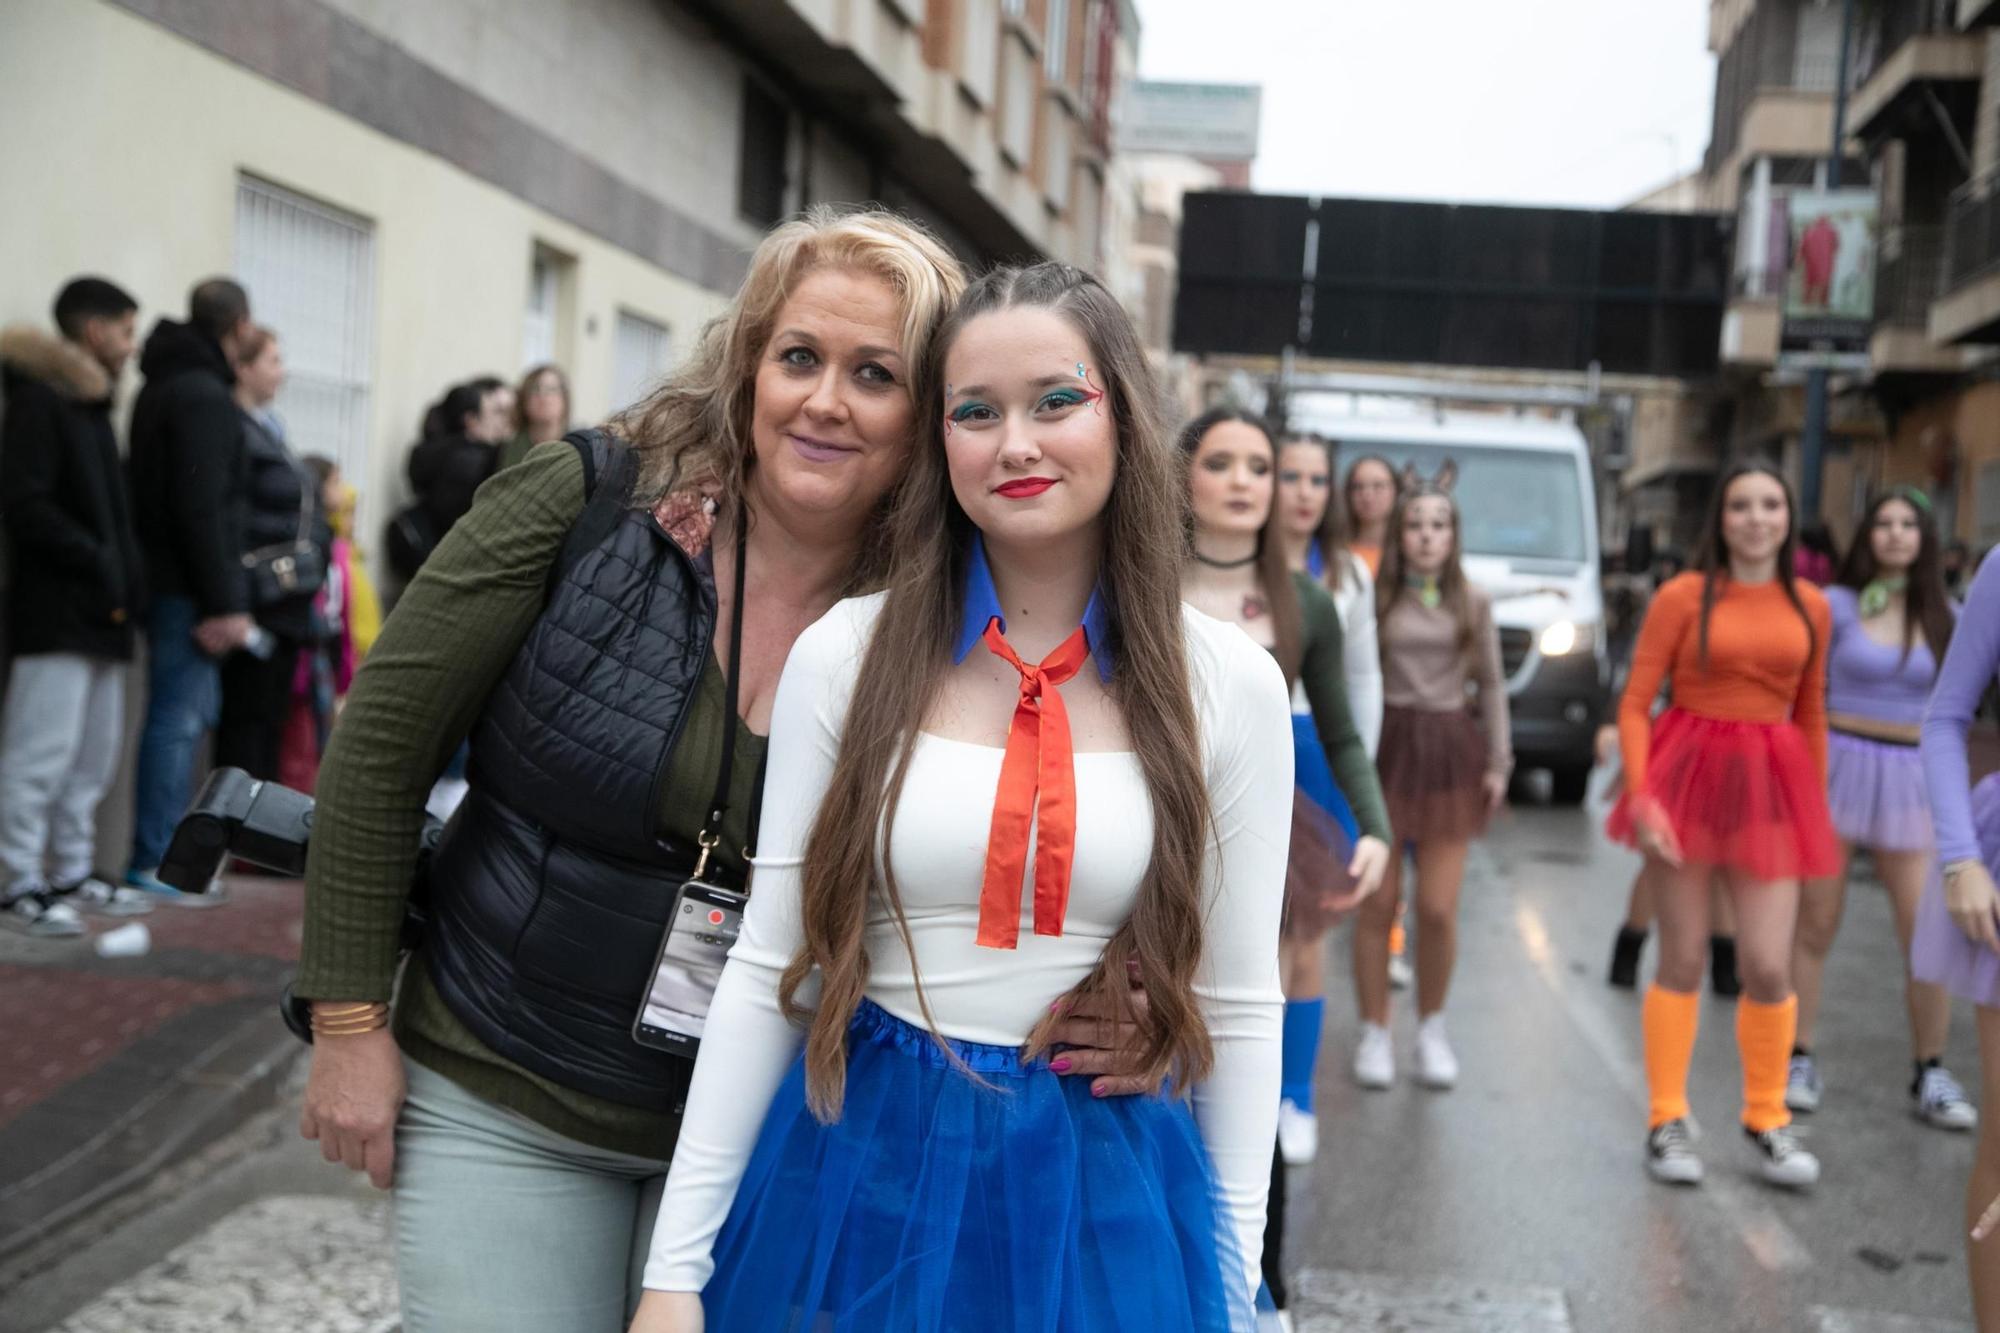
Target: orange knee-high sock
1670,1019
1764,1035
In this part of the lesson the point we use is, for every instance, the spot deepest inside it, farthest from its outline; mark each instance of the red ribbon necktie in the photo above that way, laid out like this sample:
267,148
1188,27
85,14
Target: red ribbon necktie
1037,787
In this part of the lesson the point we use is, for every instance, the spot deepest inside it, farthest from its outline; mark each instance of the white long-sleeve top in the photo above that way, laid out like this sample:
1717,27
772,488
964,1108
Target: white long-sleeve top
992,995
1361,655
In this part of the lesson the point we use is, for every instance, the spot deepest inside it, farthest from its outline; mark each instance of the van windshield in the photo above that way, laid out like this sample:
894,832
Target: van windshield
1512,502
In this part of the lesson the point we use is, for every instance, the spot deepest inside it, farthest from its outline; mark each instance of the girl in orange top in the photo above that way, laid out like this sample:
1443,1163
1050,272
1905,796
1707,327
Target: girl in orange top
1731,778
1370,494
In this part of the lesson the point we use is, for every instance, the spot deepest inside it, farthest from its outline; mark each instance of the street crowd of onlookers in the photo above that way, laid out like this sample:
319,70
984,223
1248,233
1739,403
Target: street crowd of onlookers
211,538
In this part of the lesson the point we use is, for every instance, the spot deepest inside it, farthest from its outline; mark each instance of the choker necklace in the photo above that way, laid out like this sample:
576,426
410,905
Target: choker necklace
1250,559
1425,586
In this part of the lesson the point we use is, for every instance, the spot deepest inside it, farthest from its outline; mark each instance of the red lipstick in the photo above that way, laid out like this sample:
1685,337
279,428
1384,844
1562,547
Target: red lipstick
1025,488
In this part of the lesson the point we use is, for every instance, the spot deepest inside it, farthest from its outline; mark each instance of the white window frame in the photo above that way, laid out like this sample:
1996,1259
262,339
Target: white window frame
538,322
1055,42
637,366
310,271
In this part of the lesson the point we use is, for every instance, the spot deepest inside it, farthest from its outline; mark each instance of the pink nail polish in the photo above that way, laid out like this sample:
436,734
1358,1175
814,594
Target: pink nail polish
1096,1091
1060,1066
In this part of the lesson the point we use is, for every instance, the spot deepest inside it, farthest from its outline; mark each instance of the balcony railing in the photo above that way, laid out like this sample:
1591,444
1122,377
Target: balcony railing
1972,232
1885,31
1909,275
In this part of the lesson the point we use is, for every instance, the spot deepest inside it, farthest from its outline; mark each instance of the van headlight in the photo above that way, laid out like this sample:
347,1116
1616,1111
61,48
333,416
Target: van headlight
1562,637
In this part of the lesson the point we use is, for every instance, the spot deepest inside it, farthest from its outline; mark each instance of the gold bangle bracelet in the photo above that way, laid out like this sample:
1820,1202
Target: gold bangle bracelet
350,1020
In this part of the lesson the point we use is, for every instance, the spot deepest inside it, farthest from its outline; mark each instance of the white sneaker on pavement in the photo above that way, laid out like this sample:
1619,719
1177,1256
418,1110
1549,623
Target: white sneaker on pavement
1670,1155
94,895
1782,1159
1437,1066
1374,1057
1803,1089
1940,1101
1298,1134
35,912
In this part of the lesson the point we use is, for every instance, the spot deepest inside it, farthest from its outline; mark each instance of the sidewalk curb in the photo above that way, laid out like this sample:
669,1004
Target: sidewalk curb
234,1078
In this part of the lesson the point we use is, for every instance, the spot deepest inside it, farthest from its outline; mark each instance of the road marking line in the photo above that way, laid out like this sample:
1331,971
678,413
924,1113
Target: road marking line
1330,1301
1775,1246
1827,1320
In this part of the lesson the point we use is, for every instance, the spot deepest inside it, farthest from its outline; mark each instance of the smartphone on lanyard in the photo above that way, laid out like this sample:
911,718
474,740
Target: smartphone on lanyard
706,917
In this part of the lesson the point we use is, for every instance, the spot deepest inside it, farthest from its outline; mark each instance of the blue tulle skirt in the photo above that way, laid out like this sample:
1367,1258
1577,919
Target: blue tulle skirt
1315,776
935,1205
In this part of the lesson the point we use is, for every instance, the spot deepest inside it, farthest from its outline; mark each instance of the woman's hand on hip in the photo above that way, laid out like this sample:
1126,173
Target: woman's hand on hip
1970,898
354,1092
1102,1048
667,1312
1368,865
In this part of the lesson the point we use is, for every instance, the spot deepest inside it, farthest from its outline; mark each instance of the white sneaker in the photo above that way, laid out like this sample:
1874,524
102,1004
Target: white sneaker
40,915
1940,1101
1401,975
1437,1067
1374,1058
1298,1134
1670,1155
1783,1160
94,895
1803,1089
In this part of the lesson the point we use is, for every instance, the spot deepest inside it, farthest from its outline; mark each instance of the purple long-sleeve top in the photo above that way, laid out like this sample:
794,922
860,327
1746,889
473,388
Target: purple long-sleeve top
1865,678
1971,661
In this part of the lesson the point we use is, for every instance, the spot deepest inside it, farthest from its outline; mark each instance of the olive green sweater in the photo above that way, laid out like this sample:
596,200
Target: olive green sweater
453,636
1323,676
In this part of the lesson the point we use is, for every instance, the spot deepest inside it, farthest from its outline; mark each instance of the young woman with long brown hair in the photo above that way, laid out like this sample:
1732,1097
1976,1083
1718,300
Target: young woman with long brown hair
1313,533
1892,621
1370,497
1444,773
1730,778
934,881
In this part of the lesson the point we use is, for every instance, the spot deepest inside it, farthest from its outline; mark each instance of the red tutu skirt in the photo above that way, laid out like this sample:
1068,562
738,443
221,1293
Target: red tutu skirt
1433,769
1745,795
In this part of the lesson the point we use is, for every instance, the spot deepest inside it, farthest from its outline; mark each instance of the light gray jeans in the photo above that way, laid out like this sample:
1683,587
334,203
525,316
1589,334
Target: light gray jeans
503,1226
60,735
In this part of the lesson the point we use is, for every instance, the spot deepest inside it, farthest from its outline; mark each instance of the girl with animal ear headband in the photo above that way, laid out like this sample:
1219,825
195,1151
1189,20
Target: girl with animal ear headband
1444,772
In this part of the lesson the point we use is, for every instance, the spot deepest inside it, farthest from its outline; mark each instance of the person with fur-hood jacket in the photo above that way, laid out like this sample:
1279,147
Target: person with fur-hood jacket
190,466
75,596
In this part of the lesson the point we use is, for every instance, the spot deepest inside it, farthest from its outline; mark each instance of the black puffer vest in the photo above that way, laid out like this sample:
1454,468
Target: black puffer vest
551,888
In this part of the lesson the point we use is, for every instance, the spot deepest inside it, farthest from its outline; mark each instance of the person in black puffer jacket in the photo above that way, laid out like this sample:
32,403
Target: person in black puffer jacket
281,511
460,449
187,472
76,595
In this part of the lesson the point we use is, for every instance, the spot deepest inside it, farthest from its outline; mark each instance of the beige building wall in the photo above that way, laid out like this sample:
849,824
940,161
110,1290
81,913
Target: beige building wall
132,159
647,90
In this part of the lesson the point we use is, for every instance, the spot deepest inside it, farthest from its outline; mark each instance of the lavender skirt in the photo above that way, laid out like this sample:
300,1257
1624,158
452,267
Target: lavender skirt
1875,791
1939,951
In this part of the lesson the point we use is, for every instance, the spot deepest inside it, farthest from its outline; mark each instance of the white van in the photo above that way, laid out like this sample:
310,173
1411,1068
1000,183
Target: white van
1529,516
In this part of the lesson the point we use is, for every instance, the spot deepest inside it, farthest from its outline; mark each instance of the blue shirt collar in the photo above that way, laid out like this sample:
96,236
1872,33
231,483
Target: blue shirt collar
982,605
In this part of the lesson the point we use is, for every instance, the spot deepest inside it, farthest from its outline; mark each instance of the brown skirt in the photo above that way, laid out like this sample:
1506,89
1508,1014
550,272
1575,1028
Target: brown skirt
1316,874
1433,766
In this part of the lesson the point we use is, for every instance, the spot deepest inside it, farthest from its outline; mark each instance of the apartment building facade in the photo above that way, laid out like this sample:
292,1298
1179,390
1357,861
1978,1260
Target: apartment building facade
1923,129
417,193
1925,109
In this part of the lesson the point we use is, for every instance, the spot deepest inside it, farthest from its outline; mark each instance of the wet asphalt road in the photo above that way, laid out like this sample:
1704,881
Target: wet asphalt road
1519,1201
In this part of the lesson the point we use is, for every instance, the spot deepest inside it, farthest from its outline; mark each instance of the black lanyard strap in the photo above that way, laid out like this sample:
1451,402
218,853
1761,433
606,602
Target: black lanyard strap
718,808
